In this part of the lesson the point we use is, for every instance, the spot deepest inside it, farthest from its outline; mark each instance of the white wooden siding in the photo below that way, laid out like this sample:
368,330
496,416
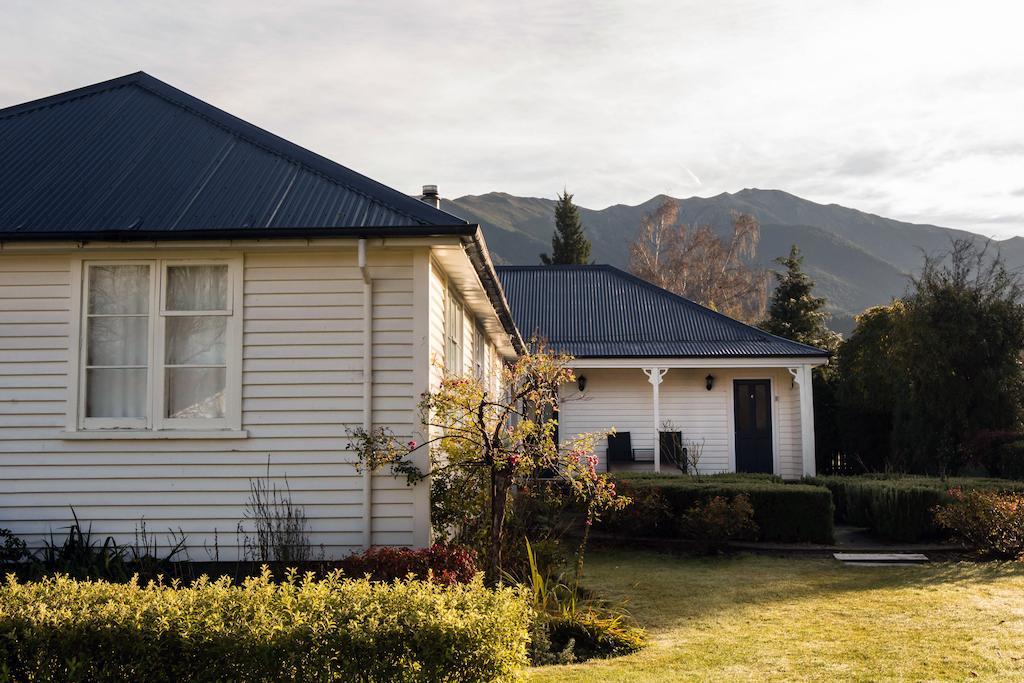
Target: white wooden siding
437,330
302,372
438,292
622,398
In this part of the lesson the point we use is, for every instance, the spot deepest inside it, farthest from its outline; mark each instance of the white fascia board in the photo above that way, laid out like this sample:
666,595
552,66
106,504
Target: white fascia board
268,243
768,362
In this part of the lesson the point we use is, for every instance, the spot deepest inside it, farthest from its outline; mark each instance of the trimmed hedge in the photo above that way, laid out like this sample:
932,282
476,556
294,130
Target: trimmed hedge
299,630
786,513
900,508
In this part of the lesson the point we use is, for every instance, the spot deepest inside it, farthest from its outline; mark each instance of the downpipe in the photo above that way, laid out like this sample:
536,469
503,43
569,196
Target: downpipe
367,390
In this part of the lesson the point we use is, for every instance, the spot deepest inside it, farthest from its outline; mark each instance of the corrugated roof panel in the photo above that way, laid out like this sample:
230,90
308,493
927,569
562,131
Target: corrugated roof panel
137,154
603,312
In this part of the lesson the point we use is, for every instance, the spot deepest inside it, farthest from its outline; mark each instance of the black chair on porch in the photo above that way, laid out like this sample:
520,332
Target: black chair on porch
672,451
620,449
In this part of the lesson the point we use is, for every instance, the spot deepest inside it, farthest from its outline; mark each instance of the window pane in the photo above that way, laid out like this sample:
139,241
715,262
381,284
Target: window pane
117,341
197,288
195,392
118,289
115,393
196,339
761,394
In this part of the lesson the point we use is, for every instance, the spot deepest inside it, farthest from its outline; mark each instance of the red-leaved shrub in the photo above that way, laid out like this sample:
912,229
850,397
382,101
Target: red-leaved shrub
440,563
989,522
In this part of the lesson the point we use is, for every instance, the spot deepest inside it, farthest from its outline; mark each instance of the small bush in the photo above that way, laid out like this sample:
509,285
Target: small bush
298,630
714,523
440,563
989,522
788,513
899,508
12,549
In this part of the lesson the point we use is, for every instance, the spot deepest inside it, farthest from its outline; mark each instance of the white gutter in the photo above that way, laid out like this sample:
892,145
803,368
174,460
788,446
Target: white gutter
367,390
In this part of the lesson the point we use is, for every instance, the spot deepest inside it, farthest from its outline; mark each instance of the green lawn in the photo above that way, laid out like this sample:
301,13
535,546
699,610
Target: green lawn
757,618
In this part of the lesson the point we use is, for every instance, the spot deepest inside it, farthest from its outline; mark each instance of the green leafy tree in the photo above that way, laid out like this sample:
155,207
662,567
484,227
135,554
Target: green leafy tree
870,384
963,341
793,311
939,366
569,245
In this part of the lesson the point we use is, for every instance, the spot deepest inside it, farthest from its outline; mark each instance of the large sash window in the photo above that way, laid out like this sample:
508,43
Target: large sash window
159,345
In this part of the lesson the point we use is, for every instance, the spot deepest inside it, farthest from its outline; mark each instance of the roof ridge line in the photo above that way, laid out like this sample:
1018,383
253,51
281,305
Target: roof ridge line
264,140
154,85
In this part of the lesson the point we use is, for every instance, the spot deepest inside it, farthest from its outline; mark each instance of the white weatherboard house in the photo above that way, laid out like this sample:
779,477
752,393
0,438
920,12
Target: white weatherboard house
185,297
664,371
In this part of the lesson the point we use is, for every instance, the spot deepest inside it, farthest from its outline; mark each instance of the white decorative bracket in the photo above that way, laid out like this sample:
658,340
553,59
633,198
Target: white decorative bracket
795,372
655,375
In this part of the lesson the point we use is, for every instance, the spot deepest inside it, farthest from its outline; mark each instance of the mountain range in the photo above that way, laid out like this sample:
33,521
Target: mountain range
856,259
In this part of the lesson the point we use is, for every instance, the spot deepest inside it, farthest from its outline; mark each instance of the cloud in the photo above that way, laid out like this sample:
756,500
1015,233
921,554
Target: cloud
866,104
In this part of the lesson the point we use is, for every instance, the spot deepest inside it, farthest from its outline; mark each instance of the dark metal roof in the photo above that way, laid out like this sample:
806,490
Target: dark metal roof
134,158
603,312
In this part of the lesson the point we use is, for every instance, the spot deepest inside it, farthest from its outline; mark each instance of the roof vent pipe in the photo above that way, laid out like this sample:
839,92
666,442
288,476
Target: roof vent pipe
430,196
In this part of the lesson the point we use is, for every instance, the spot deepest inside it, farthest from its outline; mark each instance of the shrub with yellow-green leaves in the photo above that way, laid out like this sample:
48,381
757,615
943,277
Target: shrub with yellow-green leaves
299,630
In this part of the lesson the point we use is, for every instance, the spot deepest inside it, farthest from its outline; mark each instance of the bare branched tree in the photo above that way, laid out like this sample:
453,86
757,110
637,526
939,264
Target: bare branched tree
696,263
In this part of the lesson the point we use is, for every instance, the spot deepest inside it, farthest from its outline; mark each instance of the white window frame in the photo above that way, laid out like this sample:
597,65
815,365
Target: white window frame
155,385
454,332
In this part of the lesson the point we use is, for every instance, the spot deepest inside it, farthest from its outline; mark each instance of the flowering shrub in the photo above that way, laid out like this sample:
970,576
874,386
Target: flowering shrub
59,629
989,522
485,446
441,563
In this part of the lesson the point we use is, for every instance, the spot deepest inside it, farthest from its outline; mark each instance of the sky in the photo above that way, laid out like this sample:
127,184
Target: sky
912,110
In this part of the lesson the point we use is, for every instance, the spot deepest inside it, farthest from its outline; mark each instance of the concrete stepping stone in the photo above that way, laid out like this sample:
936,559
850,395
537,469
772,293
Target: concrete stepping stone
880,559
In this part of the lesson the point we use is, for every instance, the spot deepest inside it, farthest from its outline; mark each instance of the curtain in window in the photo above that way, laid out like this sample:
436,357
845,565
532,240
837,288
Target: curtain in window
195,350
453,325
117,341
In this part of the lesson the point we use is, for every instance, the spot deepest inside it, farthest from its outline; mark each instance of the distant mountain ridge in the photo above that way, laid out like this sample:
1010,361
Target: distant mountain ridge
857,259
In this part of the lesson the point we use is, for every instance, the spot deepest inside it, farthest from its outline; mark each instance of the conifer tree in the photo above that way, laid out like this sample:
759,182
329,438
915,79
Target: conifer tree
569,245
793,311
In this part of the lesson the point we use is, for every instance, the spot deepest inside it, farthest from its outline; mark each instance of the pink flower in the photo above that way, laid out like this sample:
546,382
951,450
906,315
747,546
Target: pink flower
411,445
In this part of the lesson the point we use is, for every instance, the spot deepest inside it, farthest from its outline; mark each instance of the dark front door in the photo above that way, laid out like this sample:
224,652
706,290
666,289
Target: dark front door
753,425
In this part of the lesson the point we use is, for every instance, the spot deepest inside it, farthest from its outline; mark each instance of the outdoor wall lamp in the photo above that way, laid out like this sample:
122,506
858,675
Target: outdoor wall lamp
709,382
581,382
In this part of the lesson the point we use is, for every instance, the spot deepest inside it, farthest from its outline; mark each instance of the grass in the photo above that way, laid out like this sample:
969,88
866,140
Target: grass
776,619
